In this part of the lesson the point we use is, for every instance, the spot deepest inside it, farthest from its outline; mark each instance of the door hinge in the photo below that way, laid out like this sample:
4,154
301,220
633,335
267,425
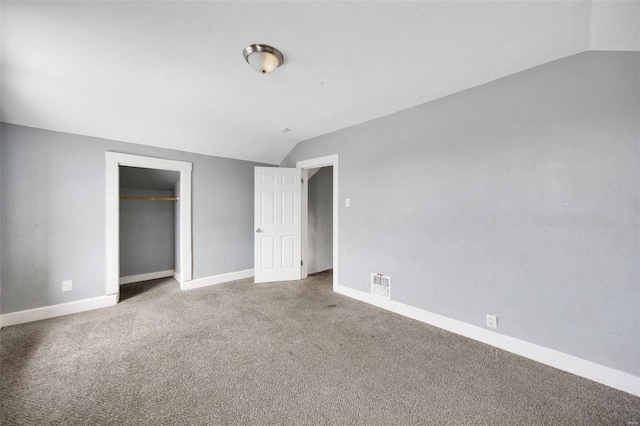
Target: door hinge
301,180
301,263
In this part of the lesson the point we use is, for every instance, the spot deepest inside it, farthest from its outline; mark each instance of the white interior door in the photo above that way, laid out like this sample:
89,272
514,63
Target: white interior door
277,243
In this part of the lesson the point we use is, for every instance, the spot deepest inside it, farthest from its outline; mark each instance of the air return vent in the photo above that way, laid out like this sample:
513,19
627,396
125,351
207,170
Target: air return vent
381,285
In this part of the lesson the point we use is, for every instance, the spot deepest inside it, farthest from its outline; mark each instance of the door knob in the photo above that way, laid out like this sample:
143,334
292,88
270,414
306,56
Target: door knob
258,230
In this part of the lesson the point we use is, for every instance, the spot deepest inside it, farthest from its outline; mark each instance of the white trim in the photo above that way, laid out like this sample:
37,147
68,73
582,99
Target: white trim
177,277
114,160
304,223
53,311
186,265
599,373
145,277
148,162
329,160
216,279
113,228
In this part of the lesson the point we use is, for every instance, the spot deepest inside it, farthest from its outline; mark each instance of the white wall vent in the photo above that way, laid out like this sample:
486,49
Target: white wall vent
381,285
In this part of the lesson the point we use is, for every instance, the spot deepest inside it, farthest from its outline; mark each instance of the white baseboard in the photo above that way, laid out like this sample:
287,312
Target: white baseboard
599,373
216,279
52,311
177,277
145,277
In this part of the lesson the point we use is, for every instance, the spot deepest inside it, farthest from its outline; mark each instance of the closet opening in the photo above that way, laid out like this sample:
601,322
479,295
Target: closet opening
319,220
181,229
148,229
319,212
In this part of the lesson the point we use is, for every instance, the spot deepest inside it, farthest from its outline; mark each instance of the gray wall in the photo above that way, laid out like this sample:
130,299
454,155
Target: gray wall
146,233
519,197
143,178
320,221
53,217
1,189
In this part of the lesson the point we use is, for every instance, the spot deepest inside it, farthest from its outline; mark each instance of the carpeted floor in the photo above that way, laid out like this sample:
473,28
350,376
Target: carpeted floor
280,353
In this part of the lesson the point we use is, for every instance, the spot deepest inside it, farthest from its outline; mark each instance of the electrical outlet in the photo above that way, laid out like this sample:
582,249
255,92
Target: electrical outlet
492,321
67,285
347,202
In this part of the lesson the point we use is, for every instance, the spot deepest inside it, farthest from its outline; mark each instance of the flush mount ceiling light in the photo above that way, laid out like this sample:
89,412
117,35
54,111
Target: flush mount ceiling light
263,58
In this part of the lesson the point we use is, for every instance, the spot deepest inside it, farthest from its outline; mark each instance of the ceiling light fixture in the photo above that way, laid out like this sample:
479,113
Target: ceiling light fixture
263,58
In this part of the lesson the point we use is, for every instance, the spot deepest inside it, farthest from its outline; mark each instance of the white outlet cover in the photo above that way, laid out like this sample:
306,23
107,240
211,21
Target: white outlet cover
67,285
492,321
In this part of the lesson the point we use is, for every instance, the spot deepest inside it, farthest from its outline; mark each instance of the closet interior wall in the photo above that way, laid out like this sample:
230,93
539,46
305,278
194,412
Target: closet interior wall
148,227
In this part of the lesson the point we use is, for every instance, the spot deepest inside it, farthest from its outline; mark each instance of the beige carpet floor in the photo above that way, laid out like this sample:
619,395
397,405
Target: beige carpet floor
290,353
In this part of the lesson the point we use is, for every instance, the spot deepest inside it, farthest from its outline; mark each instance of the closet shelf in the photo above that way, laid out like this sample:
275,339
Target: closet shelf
133,197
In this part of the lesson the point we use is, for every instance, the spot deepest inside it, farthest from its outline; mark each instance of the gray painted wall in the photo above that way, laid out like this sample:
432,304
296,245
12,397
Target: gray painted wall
53,217
320,221
142,178
146,233
1,189
519,197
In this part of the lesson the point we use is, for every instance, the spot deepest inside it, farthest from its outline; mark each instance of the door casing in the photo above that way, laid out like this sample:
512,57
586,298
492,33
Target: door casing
305,165
114,161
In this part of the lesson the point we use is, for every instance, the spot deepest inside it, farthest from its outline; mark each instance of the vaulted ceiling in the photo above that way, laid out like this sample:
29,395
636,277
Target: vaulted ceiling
171,74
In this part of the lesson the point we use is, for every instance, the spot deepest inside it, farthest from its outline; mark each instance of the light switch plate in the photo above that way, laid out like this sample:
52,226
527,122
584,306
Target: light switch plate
67,285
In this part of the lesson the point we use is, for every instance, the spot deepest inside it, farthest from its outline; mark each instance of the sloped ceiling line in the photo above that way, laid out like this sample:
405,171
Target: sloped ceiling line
172,75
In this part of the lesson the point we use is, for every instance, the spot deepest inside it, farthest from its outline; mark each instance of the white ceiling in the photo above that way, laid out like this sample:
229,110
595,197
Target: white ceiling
171,74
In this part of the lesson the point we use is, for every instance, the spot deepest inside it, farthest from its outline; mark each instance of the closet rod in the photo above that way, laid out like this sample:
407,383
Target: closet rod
132,197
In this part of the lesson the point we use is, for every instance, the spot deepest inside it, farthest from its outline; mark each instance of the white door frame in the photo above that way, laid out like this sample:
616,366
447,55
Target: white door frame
305,165
114,161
